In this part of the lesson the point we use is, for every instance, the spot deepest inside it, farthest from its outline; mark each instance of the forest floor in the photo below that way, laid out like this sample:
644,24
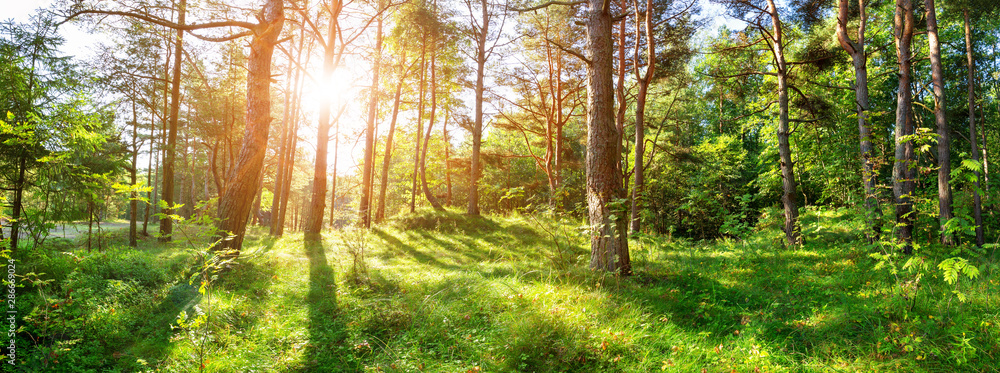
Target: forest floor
440,292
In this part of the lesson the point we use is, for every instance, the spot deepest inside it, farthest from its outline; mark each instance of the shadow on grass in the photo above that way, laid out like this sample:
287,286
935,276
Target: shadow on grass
446,221
247,277
469,239
324,351
156,326
782,298
398,246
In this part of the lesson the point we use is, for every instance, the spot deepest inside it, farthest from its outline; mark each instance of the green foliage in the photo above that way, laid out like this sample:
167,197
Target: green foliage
447,221
709,194
83,311
953,267
444,292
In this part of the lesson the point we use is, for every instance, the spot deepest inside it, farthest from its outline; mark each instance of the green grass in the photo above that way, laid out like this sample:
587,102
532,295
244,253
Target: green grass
440,292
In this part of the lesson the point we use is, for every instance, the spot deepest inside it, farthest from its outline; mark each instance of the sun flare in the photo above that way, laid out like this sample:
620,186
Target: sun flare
342,90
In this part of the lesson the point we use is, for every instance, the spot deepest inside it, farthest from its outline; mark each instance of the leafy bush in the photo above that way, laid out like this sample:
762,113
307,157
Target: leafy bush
447,221
124,265
704,194
83,310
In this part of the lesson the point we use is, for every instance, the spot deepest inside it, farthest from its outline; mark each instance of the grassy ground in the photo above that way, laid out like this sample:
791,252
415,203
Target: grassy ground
439,292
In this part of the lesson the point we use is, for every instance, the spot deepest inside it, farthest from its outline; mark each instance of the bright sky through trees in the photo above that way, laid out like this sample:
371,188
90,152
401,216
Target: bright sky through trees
513,186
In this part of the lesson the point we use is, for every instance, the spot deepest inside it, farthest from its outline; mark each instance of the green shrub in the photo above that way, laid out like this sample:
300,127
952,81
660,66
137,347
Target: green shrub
124,265
548,344
443,221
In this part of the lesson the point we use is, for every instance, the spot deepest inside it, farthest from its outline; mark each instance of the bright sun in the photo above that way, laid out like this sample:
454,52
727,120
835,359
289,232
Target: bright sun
342,89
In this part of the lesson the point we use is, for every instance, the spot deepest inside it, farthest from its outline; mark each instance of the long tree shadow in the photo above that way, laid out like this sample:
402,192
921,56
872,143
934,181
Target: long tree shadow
157,327
399,246
326,329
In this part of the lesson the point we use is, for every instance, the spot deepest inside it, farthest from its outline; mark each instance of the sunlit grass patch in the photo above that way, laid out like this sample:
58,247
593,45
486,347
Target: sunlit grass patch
442,292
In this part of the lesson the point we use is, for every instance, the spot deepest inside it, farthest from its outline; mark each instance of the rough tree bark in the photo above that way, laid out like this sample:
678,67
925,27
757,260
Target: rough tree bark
550,118
387,158
903,171
314,219
286,183
620,73
279,178
133,205
166,222
293,139
873,213
977,199
333,178
793,235
420,124
477,124
149,177
368,170
944,136
235,203
644,80
608,243
427,137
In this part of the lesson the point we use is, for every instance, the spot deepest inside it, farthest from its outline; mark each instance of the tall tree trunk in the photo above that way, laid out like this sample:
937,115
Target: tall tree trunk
164,123
213,164
149,177
622,107
90,224
292,146
18,205
336,153
255,211
167,223
447,156
420,125
986,161
944,136
295,216
427,137
133,240
793,235
279,177
873,213
608,243
293,141
387,158
368,169
475,169
971,82
235,203
640,109
314,220
208,192
902,171
550,118
288,135
188,185
560,123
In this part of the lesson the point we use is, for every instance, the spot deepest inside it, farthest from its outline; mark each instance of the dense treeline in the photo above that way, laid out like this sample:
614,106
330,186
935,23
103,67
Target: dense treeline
456,108
695,114
800,151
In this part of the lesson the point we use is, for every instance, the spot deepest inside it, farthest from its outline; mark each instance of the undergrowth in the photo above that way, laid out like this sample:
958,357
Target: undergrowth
441,292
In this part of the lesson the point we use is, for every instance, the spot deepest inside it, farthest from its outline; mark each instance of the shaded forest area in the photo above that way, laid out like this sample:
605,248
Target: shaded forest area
501,185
